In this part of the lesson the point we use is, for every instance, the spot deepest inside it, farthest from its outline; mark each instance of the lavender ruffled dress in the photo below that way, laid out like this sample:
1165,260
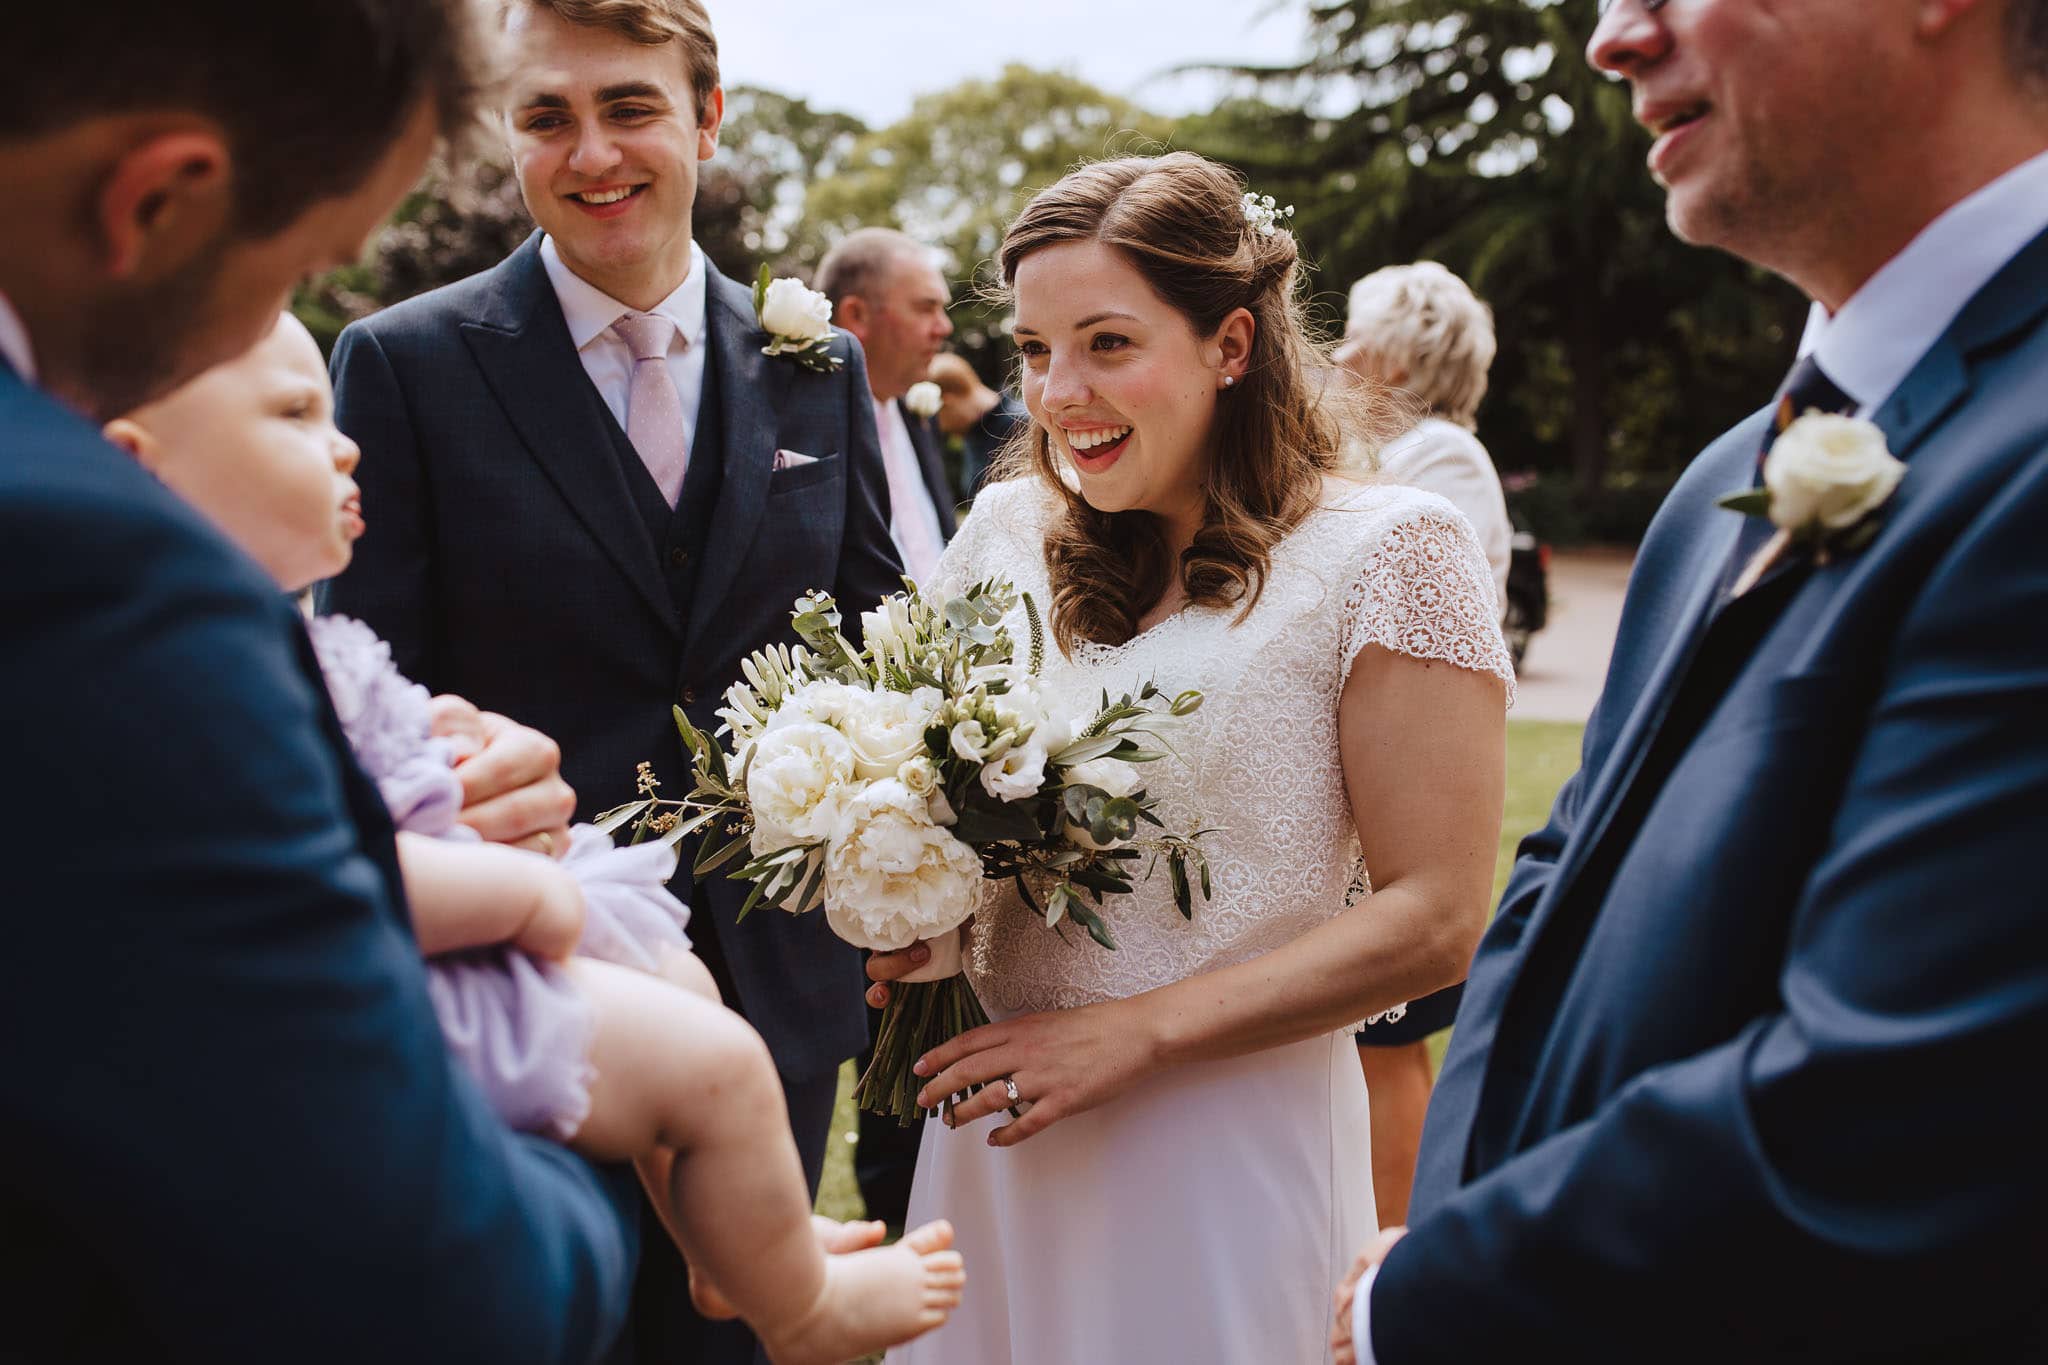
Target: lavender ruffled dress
516,1023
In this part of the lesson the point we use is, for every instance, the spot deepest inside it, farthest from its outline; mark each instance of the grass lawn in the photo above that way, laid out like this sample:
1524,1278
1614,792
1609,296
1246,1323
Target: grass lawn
1541,755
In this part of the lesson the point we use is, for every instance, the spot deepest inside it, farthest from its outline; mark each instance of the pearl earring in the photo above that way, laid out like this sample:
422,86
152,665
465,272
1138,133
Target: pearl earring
1228,380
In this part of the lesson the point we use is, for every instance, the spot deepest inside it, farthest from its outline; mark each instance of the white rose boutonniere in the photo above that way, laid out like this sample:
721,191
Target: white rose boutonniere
1825,480
923,399
798,321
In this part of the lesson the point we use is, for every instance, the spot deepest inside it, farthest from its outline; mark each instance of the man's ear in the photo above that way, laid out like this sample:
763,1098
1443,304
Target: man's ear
165,197
851,314
709,119
136,439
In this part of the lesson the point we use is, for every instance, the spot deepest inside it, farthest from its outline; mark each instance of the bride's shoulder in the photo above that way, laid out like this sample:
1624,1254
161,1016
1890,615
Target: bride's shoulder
1019,504
1363,510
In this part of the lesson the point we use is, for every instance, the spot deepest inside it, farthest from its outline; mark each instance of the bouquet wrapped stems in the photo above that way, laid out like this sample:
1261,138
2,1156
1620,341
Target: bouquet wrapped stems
920,1015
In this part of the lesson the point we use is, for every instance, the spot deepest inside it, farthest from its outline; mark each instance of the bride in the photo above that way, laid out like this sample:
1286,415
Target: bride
1190,1174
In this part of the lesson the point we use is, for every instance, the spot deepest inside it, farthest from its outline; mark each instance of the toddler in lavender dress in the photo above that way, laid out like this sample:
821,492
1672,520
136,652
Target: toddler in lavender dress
564,987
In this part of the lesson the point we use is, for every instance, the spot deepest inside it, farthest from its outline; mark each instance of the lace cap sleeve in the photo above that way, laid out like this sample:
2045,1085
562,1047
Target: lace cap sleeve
1421,586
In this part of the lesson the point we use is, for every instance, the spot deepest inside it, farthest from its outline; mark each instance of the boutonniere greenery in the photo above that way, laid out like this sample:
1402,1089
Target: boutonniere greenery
1826,481
798,321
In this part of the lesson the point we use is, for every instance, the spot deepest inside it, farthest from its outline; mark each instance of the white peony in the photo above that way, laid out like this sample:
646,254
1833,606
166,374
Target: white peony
797,785
790,310
893,877
818,703
1023,708
886,729
1019,773
1829,472
1111,775
923,398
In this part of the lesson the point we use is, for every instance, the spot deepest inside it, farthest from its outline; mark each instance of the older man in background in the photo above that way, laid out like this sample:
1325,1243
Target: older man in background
886,289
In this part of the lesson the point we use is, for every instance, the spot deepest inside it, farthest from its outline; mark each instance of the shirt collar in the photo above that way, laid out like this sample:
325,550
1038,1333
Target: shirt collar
1873,343
14,341
590,311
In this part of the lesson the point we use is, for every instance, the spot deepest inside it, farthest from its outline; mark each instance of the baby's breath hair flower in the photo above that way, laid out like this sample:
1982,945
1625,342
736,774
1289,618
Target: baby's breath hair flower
1264,214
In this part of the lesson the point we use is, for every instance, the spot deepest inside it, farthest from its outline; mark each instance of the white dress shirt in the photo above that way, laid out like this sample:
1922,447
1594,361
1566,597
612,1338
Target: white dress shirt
590,313
1443,458
1870,347
14,341
1884,329
913,520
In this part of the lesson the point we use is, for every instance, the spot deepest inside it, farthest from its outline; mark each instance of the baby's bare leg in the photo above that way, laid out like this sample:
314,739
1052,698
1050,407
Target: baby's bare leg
678,1072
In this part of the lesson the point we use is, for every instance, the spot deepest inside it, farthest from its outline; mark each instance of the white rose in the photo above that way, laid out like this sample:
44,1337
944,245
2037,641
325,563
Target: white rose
923,398
920,775
1023,708
1111,775
1829,471
969,740
887,630
893,877
1017,774
887,729
796,785
790,310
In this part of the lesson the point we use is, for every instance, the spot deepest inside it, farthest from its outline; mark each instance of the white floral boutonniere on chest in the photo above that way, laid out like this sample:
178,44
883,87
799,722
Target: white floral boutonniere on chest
924,399
798,321
1826,480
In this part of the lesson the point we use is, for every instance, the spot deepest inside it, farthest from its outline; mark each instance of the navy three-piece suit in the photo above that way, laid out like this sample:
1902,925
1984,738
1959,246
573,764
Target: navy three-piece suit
520,555
231,1131
1745,1066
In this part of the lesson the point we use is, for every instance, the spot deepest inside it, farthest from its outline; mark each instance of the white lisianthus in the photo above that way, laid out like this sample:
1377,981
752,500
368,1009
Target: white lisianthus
887,729
797,785
887,631
1019,773
1829,472
793,312
1112,776
969,741
893,877
923,399
1023,710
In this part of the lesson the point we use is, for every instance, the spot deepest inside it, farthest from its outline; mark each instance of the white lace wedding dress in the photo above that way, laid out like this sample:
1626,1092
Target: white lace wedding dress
1204,1217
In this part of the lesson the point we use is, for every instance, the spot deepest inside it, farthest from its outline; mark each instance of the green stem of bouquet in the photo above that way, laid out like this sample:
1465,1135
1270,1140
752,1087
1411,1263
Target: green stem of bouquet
920,1015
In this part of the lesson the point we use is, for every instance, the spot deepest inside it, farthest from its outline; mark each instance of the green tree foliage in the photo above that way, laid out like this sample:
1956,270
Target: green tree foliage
957,168
1473,132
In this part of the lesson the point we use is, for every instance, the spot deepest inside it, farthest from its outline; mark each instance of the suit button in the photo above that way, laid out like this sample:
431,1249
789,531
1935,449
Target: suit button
679,556
689,696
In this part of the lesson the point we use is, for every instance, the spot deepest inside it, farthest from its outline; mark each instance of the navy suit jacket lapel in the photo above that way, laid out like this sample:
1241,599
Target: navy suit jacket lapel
752,389
522,345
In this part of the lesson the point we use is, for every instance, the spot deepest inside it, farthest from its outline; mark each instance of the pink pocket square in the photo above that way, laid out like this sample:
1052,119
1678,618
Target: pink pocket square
792,459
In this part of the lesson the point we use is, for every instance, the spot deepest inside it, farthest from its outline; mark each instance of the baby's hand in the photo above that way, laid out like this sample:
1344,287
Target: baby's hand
554,923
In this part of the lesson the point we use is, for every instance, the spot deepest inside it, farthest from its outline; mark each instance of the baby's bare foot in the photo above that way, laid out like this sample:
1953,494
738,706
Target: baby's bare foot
834,1239
874,1299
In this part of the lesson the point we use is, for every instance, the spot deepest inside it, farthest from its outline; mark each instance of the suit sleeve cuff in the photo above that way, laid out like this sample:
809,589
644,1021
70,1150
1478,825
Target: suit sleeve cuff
1361,1319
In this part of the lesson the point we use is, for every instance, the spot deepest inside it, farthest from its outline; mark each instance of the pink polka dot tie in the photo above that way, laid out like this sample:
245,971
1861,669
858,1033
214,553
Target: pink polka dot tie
654,409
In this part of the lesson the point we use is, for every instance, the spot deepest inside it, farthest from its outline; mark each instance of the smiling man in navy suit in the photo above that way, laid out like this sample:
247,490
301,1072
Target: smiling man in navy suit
232,1131
1742,1064
590,495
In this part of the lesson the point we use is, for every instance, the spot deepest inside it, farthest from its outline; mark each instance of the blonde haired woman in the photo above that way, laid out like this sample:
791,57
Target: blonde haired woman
1189,1181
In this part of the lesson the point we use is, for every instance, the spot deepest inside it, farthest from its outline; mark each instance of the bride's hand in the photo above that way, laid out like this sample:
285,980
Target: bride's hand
1064,1062
886,967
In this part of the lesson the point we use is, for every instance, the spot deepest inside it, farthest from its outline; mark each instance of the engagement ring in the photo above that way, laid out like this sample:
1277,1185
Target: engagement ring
1011,1086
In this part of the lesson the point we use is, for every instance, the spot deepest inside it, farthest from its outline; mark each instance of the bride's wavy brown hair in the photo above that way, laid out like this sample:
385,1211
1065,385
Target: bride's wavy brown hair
1179,220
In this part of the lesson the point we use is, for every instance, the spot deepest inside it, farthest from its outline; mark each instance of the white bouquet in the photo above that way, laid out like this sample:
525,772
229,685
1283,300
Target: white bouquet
883,783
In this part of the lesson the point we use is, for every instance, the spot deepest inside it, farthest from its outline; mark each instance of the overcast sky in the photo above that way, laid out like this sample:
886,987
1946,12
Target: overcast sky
873,57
